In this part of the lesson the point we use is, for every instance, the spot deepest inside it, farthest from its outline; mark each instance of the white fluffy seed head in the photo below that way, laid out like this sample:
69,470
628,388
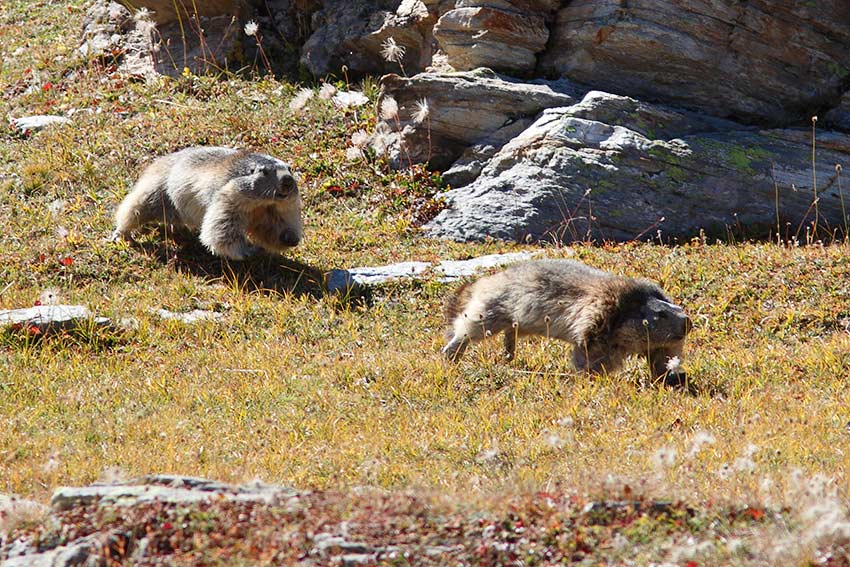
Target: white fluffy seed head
392,51
389,108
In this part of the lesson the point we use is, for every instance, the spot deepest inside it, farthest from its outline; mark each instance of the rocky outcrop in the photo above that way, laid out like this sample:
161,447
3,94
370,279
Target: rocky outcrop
142,46
612,168
764,61
771,63
839,117
167,11
353,34
500,35
462,109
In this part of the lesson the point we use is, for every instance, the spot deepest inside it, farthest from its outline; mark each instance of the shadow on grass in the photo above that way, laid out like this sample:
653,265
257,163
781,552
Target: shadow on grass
267,272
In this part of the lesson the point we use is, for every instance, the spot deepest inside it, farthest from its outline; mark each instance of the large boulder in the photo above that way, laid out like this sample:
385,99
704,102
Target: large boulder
763,61
463,109
503,35
612,168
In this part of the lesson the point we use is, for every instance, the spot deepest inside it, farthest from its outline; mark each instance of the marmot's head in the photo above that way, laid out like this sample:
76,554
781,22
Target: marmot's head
649,320
268,179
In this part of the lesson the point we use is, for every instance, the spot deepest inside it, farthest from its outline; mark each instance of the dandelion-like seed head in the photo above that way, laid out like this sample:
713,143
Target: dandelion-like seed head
673,364
700,440
349,99
353,153
251,28
664,458
814,119
838,168
49,296
392,51
300,101
422,111
327,91
142,15
56,207
389,108
360,139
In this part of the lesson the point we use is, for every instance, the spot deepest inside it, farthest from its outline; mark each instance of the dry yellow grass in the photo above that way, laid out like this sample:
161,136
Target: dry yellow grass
299,388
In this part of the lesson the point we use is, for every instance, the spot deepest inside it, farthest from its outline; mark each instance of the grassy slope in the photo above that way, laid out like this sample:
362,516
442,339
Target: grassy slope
308,390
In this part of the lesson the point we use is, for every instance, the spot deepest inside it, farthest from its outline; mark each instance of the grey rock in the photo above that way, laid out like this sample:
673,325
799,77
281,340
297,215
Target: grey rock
103,24
572,176
356,559
165,11
352,34
839,117
344,279
725,57
502,38
159,43
30,124
88,551
469,165
14,510
164,488
464,108
447,270
52,318
189,317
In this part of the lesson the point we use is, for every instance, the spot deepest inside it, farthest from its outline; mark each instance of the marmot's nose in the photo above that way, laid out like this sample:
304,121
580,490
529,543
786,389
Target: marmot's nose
286,181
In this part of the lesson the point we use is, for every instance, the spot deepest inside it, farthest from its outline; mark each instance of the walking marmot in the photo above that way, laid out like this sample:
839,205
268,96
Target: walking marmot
227,195
607,317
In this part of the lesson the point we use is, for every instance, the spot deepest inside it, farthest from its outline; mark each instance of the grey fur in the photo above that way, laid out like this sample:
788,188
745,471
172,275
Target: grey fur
606,317
228,196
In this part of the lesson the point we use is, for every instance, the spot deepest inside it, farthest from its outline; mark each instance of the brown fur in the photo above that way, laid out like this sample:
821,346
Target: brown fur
607,317
224,194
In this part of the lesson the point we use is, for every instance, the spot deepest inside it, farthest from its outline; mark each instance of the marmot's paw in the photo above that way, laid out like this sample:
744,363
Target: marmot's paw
117,236
236,251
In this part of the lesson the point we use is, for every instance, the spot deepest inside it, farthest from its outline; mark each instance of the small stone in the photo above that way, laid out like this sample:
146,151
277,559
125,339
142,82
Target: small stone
48,319
30,124
189,317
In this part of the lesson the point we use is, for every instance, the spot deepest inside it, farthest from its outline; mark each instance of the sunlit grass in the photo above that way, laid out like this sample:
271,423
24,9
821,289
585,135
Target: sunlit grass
300,388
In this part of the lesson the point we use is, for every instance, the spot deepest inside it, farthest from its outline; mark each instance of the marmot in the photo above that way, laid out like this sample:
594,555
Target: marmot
228,195
607,317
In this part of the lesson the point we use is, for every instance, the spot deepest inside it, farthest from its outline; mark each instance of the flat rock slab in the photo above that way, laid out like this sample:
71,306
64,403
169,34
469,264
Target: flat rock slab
51,318
165,488
30,124
447,270
189,317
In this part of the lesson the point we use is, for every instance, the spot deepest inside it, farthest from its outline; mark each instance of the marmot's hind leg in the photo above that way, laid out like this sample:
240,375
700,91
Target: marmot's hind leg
146,203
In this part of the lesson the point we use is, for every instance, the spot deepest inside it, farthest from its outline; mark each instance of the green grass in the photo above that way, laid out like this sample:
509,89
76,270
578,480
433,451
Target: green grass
304,389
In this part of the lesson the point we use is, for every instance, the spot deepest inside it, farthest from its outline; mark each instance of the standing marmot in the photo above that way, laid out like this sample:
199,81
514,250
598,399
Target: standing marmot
228,195
606,317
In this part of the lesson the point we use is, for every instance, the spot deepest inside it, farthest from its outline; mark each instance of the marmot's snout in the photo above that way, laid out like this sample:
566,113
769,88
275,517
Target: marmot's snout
286,184
669,319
